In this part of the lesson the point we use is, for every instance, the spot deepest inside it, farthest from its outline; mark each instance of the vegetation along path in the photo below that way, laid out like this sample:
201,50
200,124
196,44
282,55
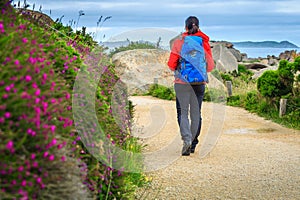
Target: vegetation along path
253,158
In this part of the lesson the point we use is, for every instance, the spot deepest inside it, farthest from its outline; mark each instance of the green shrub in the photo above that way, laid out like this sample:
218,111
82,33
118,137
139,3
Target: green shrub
132,46
286,76
271,86
226,77
277,83
297,64
243,70
38,140
268,84
35,114
161,92
251,101
234,100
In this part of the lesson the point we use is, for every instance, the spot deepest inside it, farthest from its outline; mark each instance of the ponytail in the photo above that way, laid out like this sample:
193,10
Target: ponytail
192,24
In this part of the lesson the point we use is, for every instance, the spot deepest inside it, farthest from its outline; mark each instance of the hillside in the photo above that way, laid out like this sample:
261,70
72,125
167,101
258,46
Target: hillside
265,44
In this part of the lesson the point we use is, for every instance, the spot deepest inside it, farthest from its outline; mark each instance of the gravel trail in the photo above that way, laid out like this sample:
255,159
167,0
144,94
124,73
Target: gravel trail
248,157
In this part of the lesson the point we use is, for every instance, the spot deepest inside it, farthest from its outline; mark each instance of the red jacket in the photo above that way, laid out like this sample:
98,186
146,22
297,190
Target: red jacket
176,48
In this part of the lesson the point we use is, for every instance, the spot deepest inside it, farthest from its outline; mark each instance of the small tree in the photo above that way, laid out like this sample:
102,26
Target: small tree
268,84
277,83
286,76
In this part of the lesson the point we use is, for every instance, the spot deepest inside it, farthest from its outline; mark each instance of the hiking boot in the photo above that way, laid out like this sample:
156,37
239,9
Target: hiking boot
193,149
186,149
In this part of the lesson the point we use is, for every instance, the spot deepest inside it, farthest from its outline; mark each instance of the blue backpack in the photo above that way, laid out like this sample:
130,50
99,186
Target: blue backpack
192,67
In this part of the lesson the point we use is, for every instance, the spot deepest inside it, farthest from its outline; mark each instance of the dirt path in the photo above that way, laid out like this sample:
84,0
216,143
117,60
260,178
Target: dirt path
252,159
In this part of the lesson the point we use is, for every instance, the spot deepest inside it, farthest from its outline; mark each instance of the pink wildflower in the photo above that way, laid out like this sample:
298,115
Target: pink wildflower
37,70
25,95
38,179
52,128
45,106
10,145
33,133
28,78
23,183
46,154
32,156
29,131
68,96
51,157
35,85
5,96
37,110
17,62
32,60
37,100
37,92
41,59
54,141
45,126
61,145
7,115
22,26
35,164
2,28
24,40
63,158
44,77
7,88
38,123
21,168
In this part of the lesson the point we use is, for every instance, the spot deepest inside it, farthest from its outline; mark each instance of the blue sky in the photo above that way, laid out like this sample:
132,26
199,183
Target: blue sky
231,20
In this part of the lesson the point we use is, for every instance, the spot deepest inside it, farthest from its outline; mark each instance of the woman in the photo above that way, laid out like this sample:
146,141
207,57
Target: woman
189,97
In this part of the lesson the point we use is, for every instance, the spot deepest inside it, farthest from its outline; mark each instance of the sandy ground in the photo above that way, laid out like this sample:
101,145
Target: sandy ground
240,156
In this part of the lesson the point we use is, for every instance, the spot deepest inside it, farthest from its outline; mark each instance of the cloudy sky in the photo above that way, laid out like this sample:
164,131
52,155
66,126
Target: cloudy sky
231,20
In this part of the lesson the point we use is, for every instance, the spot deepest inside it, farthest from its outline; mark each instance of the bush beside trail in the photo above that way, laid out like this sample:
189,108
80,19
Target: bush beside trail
39,141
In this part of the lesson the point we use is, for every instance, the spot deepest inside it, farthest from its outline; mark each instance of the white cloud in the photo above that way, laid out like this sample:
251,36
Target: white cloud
288,7
243,19
86,5
222,7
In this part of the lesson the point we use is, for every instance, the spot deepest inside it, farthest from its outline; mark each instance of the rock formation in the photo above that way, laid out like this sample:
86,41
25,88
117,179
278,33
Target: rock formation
288,55
224,59
140,68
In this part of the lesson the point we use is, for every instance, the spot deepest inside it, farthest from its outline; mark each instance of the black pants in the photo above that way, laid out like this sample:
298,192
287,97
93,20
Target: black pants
188,103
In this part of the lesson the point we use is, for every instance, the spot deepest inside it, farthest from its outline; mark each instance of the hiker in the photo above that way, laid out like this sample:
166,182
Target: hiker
189,95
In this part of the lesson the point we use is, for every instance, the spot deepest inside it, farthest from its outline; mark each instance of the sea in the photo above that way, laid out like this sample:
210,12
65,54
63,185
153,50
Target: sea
264,52
252,52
